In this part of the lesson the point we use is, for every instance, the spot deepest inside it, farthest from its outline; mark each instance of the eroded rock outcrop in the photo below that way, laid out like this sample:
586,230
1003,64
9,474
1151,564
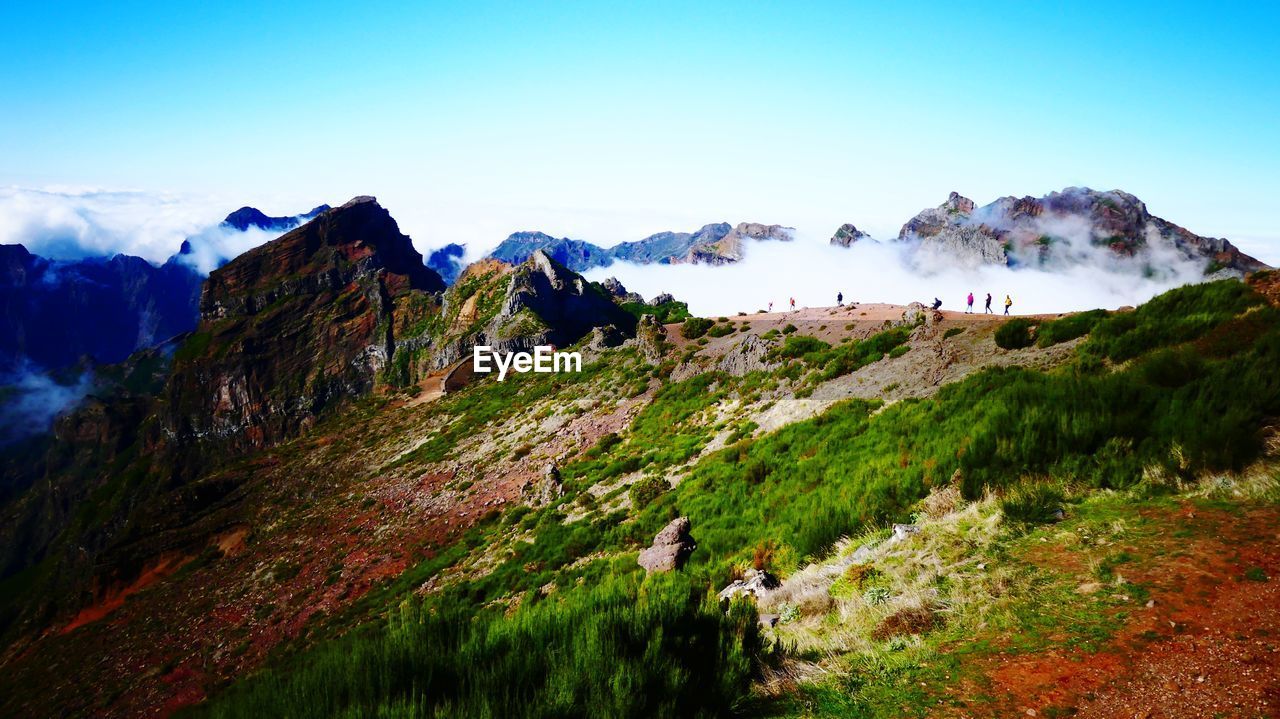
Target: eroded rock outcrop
671,547
294,326
1073,227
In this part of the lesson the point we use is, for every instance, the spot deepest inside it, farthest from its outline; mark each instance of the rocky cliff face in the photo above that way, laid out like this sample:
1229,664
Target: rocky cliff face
1075,226
294,326
539,302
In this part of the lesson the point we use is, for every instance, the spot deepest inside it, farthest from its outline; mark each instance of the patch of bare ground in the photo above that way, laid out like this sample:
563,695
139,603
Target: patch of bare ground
1206,644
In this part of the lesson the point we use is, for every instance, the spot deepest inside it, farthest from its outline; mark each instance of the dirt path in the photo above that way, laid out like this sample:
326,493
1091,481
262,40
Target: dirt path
1206,645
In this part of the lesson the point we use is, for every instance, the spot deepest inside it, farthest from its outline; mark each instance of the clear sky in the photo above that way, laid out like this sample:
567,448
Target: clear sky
608,122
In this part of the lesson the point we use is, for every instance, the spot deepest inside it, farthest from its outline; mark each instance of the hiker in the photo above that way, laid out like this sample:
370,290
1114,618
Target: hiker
793,304
969,311
988,309
1008,302
840,299
936,303
771,304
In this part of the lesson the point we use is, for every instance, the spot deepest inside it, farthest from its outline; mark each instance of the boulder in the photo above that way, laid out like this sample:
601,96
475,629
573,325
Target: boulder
544,490
671,547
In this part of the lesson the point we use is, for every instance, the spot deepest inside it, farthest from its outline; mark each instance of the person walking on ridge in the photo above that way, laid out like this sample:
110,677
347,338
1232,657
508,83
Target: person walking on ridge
988,309
936,303
1008,302
840,299
969,311
793,304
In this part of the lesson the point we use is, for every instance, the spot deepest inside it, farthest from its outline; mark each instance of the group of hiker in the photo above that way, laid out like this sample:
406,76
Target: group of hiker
1008,302
937,303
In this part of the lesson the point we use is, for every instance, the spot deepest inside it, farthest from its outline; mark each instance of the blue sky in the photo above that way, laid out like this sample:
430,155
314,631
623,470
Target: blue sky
609,122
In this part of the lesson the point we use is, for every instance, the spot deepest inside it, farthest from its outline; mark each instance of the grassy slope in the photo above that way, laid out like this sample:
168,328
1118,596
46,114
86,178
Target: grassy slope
1177,389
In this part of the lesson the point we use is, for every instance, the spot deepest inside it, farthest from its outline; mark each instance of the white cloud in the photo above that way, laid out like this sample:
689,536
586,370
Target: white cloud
813,272
70,223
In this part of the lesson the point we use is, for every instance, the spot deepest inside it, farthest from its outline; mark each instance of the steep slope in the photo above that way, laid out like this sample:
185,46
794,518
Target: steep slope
1072,227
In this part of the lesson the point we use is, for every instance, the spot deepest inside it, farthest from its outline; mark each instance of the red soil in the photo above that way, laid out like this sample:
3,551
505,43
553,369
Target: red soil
1208,644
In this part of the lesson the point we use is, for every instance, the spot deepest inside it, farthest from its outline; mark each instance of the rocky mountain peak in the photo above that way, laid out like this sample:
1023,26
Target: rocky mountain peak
848,235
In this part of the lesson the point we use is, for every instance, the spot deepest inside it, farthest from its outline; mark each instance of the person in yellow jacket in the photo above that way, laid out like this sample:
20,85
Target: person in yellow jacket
1008,302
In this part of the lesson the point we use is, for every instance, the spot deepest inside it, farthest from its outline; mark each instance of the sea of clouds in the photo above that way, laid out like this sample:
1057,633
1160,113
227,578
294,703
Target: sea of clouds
74,223
813,272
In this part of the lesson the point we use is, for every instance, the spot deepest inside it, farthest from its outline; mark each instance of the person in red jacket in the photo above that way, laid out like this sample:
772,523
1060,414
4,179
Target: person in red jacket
969,311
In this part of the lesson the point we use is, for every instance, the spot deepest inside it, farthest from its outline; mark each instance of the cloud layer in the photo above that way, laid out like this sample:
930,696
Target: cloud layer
73,223
812,271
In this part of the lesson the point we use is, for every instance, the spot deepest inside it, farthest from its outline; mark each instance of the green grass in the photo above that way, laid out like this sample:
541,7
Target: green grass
625,648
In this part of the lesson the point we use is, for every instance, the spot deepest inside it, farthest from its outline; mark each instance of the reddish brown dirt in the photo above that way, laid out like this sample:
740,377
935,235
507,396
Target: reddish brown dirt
1207,646
114,597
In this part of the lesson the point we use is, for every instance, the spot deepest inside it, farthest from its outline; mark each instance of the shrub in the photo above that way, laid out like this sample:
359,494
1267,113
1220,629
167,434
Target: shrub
646,490
788,329
1068,328
695,327
952,332
906,622
1015,334
1032,503
796,346
721,330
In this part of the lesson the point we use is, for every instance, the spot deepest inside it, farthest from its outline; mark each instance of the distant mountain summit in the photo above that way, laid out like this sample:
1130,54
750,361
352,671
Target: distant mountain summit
246,217
447,262
1077,226
715,244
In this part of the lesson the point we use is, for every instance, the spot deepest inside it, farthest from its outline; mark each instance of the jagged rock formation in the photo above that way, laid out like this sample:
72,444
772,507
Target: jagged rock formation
447,262
294,326
618,292
732,248
1075,226
717,244
671,547
540,302
847,235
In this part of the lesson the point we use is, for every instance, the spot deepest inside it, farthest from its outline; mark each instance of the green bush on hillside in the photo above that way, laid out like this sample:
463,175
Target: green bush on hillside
695,327
1067,328
1015,334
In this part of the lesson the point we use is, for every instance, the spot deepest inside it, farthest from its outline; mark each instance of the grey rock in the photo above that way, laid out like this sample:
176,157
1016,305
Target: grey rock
671,547
755,583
